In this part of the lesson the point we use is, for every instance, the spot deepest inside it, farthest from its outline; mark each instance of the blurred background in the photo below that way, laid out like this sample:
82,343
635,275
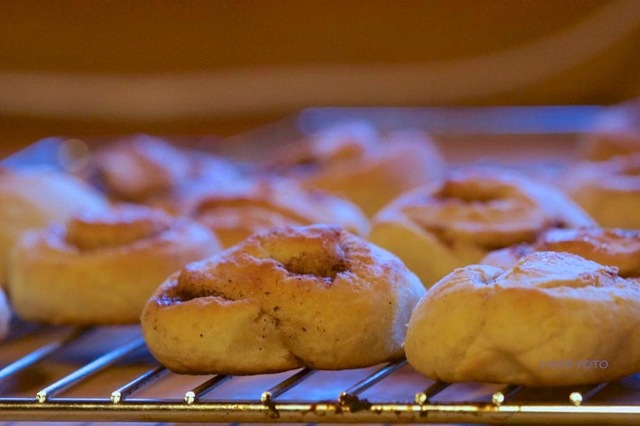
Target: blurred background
222,67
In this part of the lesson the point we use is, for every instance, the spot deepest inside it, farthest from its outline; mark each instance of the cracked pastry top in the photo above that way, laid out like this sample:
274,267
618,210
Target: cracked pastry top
552,319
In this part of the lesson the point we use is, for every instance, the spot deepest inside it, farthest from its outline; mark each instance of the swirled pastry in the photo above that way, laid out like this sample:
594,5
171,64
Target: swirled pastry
606,144
608,190
553,319
150,170
356,162
618,248
315,296
437,228
32,198
100,268
234,213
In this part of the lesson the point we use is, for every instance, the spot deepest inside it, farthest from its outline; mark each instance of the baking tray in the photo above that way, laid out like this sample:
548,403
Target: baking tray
107,374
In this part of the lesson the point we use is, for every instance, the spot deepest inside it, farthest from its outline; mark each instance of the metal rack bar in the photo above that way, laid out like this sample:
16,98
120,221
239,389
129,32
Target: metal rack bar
195,394
578,398
434,389
88,370
350,396
500,397
268,396
41,353
123,392
322,412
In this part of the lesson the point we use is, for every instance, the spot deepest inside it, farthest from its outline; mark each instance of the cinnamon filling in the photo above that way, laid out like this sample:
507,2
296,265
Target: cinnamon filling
321,255
117,227
309,264
461,190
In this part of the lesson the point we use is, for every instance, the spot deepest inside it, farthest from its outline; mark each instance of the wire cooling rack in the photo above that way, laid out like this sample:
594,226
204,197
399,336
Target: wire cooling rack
107,374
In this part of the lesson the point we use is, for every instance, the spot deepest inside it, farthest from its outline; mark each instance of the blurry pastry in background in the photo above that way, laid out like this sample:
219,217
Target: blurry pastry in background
360,163
603,145
456,222
619,248
487,324
615,132
146,169
314,296
32,198
608,190
5,314
101,267
233,213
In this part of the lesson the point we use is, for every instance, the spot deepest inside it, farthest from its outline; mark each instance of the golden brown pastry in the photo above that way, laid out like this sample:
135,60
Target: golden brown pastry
150,170
32,198
100,268
356,162
234,213
553,319
608,190
5,314
437,228
618,248
312,296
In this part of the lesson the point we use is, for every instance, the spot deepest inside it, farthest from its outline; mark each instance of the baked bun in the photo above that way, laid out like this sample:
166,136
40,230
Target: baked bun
554,319
619,248
437,228
100,268
608,190
606,144
356,162
5,314
32,198
150,170
234,213
313,296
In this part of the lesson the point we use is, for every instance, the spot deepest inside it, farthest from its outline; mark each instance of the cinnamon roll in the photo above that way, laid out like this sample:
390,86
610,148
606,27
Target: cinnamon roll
363,165
437,228
234,213
101,267
149,170
312,296
619,248
608,190
32,198
553,319
606,144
